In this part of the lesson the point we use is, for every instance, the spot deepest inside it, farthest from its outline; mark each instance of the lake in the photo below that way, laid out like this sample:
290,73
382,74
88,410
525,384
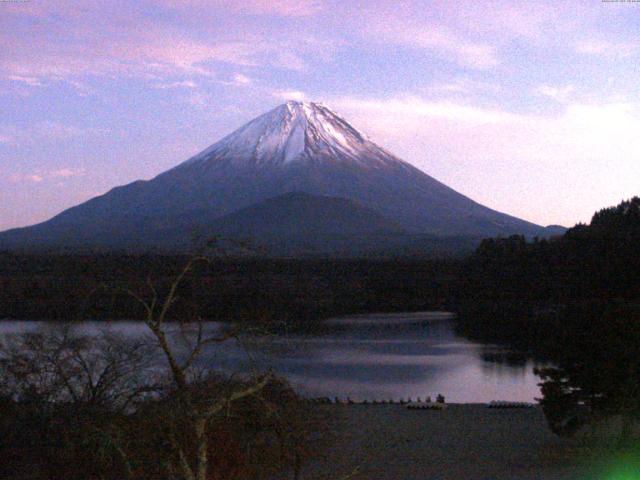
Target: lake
369,357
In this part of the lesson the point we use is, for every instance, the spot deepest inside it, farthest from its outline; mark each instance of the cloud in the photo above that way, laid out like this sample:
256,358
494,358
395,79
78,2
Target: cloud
22,178
39,177
198,98
559,94
240,79
283,8
149,55
44,131
483,35
413,107
474,55
441,42
78,8
184,53
514,162
182,84
606,48
113,39
67,172
31,81
468,33
286,8
509,19
6,138
462,87
81,88
290,95
52,130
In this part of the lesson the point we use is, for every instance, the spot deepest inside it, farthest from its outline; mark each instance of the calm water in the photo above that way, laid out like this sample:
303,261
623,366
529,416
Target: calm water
371,357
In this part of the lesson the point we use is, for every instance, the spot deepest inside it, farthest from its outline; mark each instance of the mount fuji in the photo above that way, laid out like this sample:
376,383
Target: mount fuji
296,175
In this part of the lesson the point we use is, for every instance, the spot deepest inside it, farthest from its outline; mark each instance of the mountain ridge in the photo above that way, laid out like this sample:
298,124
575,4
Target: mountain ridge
295,147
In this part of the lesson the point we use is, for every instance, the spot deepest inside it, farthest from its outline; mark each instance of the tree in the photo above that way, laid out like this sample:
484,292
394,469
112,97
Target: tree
198,411
597,372
66,393
101,407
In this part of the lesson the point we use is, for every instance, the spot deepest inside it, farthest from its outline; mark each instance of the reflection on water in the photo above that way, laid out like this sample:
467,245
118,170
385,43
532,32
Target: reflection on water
371,357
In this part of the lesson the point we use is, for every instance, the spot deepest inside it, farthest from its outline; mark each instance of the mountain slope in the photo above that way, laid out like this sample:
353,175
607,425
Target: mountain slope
300,214
296,147
301,224
297,224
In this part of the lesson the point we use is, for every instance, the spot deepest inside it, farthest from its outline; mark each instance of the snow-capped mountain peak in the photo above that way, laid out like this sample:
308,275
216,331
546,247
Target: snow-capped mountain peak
295,132
347,182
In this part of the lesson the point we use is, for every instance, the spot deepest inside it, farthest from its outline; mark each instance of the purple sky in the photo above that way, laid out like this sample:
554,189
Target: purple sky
531,108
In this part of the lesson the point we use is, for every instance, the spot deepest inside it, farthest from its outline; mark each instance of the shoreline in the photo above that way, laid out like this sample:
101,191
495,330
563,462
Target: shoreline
461,442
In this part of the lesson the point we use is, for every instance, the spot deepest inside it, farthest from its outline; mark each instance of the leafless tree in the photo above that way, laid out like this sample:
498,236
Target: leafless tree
60,364
91,380
147,402
197,410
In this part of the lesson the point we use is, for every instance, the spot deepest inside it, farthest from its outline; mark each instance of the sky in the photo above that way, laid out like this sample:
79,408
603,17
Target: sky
531,108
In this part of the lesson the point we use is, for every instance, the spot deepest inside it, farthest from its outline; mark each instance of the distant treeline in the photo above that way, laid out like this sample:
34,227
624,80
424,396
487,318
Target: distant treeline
510,290
575,302
60,287
515,291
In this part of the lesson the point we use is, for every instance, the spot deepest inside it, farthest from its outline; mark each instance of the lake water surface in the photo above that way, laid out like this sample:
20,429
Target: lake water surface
372,357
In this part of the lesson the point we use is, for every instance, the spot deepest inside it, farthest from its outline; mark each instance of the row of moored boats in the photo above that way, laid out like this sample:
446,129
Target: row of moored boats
417,404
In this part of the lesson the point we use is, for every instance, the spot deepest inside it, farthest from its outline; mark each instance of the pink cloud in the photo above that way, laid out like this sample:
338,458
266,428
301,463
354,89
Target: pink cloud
67,172
285,8
471,33
290,95
421,32
607,48
437,39
31,81
115,39
20,178
560,94
39,177
6,138
240,79
181,84
289,8
44,131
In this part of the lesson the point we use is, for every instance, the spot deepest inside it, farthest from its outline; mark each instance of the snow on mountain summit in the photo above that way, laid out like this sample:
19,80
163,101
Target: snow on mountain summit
301,148
295,131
